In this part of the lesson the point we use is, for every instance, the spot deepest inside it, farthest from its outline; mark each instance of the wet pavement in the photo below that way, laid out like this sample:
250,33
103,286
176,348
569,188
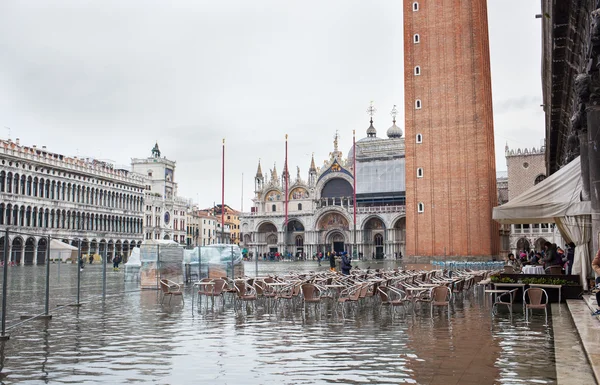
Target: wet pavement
131,338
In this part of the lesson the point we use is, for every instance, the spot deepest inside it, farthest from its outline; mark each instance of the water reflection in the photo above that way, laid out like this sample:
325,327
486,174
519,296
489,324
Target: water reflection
131,338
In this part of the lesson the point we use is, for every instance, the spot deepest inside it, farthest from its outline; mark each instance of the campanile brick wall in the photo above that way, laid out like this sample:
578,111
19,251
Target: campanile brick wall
458,187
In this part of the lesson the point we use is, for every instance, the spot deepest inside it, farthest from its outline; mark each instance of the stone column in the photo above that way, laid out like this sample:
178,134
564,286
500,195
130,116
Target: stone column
593,159
585,169
22,260
35,253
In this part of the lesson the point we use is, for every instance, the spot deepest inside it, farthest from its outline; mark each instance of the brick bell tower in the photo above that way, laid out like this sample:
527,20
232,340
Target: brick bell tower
450,162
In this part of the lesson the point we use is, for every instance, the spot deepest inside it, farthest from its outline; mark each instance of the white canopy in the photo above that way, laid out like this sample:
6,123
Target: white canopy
61,250
555,197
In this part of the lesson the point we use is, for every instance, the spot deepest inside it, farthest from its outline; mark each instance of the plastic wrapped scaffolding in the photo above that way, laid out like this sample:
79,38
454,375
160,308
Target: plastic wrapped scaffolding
160,260
214,261
133,265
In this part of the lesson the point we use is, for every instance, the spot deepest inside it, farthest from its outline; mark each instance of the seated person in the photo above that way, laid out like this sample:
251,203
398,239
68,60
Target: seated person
535,259
596,267
510,260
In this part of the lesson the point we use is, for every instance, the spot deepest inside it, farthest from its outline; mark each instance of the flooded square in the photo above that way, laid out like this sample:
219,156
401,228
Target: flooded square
131,338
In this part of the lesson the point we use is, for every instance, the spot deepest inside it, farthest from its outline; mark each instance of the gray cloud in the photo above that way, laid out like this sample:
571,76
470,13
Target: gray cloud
517,103
107,79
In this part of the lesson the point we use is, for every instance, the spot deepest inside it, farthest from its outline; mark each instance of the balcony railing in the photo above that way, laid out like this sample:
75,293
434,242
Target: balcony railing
359,210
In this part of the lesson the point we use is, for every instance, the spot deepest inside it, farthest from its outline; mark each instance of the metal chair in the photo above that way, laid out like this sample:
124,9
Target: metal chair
536,297
170,288
500,300
554,270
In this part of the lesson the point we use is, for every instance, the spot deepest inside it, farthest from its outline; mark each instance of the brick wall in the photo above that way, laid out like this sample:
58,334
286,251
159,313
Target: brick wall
458,188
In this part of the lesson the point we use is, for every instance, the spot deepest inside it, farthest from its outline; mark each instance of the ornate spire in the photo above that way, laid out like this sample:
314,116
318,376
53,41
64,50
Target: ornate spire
336,152
259,174
335,141
286,175
371,131
274,172
156,151
312,168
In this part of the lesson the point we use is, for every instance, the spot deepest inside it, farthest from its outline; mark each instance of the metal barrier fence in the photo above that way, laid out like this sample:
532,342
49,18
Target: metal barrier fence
59,283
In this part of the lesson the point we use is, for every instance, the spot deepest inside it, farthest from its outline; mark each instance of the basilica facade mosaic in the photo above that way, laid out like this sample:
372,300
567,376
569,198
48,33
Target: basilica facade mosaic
321,207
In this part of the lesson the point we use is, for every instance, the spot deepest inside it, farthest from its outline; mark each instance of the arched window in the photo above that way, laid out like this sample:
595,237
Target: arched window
299,206
419,138
417,70
415,6
418,104
9,181
416,38
420,172
539,178
378,240
420,207
299,241
273,208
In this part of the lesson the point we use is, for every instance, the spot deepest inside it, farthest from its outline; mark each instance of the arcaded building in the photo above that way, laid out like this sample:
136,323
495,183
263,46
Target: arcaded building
450,163
43,193
321,206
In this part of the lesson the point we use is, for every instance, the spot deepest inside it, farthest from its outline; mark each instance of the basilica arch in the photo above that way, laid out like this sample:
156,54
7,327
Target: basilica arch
267,238
295,237
335,190
374,237
333,228
398,237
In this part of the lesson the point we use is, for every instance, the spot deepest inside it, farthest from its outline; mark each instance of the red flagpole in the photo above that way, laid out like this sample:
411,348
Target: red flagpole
286,176
223,194
354,184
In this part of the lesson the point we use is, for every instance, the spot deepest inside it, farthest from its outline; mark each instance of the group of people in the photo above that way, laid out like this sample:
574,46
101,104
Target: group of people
117,259
551,255
345,264
277,256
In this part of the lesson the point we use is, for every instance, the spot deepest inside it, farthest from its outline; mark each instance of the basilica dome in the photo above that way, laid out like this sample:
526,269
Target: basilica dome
394,131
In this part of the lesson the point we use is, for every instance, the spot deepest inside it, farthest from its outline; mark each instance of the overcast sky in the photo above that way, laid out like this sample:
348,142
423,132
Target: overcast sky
107,79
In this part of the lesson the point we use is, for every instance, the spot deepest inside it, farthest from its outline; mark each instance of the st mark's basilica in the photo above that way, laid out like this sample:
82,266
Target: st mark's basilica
321,208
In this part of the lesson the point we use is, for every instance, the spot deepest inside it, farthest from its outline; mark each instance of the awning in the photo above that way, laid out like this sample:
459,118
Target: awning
555,197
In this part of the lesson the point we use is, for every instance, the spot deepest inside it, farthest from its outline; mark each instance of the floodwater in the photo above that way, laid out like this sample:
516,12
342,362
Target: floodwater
131,338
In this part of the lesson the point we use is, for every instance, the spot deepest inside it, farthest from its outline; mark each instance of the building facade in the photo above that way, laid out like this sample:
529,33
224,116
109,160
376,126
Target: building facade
450,163
232,220
526,168
78,201
321,207
165,213
194,225
202,228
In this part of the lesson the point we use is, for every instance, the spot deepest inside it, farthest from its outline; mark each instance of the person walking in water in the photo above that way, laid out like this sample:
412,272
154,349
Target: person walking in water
116,261
332,261
346,266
